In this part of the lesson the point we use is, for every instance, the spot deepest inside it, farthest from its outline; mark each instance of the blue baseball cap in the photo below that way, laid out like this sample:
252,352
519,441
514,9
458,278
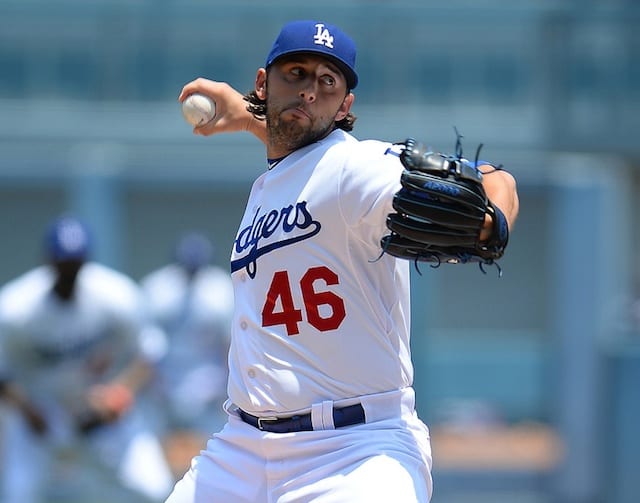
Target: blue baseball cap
318,38
193,251
67,238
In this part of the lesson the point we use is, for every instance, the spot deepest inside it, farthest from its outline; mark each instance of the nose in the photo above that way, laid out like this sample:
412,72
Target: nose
309,92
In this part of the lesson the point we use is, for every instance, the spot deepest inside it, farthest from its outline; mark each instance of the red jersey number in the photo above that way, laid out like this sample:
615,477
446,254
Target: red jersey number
285,312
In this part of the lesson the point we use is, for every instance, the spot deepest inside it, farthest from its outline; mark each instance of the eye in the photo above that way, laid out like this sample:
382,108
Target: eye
296,71
328,80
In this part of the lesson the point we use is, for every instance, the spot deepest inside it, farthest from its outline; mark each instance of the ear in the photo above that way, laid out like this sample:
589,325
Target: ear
345,107
261,84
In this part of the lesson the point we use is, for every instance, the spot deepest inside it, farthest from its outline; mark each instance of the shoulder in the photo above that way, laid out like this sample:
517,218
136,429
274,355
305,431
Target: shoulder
371,163
345,150
19,295
112,285
369,152
99,272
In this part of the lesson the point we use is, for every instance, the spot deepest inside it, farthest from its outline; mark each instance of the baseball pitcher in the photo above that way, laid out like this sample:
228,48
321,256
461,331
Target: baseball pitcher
321,405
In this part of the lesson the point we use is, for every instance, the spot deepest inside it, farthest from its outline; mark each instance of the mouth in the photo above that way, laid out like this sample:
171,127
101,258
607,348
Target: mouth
298,113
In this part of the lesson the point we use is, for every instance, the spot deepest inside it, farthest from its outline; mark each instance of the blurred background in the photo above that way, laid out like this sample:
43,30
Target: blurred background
530,382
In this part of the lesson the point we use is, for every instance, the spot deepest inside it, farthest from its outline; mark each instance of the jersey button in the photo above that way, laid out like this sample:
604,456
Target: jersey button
251,373
243,325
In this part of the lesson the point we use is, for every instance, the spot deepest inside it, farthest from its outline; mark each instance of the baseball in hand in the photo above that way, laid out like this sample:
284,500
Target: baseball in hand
198,109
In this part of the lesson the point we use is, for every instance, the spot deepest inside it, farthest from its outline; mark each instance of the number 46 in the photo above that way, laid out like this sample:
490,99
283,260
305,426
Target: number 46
289,316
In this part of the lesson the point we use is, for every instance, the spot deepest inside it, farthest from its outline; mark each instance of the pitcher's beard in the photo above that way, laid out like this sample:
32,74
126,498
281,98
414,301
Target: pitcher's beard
291,135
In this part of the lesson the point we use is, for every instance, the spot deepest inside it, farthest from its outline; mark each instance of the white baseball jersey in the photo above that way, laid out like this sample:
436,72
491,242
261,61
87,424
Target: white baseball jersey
320,314
196,315
56,350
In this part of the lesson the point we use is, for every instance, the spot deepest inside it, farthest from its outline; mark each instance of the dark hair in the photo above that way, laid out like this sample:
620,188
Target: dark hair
258,108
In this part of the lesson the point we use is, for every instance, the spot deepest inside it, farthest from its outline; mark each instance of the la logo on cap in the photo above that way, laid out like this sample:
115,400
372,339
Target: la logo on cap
312,36
323,37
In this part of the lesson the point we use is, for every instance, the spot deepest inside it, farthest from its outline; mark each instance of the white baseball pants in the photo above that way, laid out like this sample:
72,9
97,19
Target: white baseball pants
387,459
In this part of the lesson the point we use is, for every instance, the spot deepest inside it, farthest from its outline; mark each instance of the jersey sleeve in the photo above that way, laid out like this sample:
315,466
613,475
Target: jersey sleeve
370,179
13,303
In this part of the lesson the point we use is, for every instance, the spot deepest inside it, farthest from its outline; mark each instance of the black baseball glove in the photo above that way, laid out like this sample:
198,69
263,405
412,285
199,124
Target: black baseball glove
440,211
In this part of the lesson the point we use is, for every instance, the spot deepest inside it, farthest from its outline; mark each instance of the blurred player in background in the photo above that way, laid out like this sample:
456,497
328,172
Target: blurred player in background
192,300
72,359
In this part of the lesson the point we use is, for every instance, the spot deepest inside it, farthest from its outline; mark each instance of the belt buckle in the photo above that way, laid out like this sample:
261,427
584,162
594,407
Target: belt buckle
262,419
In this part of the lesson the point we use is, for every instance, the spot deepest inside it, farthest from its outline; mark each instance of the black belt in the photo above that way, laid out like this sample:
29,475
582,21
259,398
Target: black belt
344,416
